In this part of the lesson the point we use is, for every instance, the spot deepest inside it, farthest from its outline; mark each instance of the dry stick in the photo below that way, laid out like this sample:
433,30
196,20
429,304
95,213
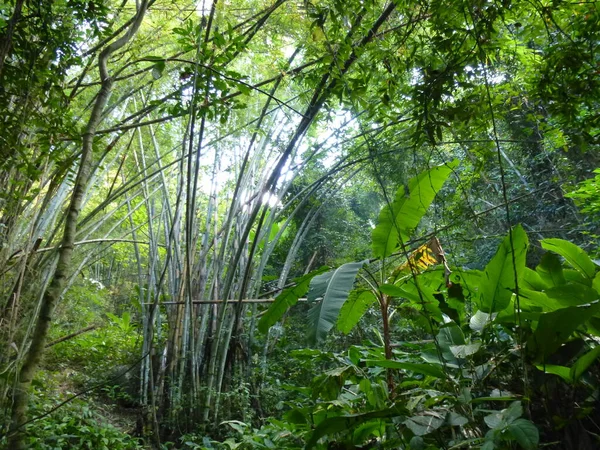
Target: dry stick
228,302
53,292
71,336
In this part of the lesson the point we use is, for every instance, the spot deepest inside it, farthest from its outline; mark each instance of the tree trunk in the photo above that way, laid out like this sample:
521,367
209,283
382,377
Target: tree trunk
65,252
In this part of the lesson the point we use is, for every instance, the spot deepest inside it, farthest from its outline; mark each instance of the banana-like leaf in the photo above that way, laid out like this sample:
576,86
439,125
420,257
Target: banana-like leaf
354,308
288,298
328,292
498,281
398,219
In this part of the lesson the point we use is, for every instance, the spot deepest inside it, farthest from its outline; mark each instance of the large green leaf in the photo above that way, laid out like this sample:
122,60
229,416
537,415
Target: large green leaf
554,328
347,423
425,369
398,219
288,297
425,424
561,371
354,308
574,255
498,281
328,292
582,364
525,433
550,270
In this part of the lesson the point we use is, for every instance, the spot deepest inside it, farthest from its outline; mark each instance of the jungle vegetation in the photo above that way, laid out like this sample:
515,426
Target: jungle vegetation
299,224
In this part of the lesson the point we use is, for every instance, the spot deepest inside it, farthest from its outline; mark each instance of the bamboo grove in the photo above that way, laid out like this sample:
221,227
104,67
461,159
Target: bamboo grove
173,146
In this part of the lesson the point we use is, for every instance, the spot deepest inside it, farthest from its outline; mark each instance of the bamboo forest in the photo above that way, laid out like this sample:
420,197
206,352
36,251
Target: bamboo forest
299,224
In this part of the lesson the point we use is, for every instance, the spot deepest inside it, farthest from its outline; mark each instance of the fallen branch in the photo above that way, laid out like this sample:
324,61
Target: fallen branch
71,336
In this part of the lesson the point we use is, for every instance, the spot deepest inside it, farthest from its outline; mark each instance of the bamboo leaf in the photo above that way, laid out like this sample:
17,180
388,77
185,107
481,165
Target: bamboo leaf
328,292
401,217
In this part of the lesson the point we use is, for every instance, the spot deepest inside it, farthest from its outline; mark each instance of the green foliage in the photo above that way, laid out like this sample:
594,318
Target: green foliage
354,308
574,255
503,272
288,298
327,293
441,390
398,219
77,426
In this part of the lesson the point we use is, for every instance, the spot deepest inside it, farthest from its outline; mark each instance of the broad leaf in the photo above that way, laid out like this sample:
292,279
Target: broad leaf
479,320
449,336
462,351
574,255
288,297
556,327
425,369
398,219
582,364
525,433
347,423
425,424
550,270
354,308
561,371
498,281
333,289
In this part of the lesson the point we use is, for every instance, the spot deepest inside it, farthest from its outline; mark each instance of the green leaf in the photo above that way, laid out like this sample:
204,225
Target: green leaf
424,424
398,219
346,423
448,336
561,371
574,255
550,270
479,320
354,308
462,351
582,364
525,433
425,369
596,283
556,327
417,443
288,298
532,280
456,420
392,290
498,281
158,69
332,288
